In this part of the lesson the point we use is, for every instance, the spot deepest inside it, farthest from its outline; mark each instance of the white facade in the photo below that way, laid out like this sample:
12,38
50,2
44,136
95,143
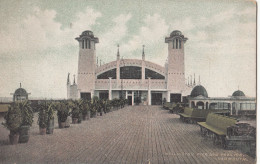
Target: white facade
165,82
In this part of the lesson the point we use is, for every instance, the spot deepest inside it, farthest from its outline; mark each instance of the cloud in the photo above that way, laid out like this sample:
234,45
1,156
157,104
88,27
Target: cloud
112,37
39,31
221,47
38,52
184,25
225,45
84,21
151,34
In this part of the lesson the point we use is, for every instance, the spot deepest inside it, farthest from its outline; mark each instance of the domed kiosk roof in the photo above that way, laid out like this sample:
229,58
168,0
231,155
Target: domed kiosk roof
238,93
20,92
199,90
88,33
176,33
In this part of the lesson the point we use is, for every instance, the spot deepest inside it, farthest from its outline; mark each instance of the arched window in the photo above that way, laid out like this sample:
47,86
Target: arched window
83,44
107,74
176,43
152,74
173,44
179,44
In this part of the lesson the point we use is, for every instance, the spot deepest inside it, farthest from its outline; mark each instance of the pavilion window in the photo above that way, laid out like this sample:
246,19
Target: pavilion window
86,44
89,44
253,106
179,44
176,43
82,44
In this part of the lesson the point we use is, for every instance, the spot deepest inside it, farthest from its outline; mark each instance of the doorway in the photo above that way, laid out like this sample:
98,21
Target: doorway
129,100
156,98
175,98
103,95
85,95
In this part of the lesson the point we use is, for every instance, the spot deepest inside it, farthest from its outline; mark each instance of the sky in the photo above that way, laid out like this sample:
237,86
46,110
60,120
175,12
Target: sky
38,46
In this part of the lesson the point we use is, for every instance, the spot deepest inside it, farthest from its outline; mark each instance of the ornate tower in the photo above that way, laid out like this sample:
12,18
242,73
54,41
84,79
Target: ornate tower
176,75
86,64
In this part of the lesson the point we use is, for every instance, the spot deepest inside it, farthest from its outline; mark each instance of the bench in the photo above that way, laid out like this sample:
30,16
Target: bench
166,105
186,114
216,127
199,115
177,108
169,106
172,107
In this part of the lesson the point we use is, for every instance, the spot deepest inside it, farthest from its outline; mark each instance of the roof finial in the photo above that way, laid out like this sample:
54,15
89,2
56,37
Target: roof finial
188,81
118,54
191,80
238,87
68,79
100,62
194,83
20,85
143,55
199,79
97,61
74,80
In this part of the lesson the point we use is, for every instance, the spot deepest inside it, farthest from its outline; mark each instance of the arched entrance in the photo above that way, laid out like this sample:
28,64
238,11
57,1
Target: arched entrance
192,104
200,105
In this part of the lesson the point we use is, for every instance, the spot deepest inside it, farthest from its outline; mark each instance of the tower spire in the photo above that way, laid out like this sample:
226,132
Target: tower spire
74,80
68,79
143,55
194,83
191,80
118,54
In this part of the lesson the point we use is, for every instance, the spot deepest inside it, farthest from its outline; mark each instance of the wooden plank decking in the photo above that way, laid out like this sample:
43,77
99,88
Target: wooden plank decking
140,134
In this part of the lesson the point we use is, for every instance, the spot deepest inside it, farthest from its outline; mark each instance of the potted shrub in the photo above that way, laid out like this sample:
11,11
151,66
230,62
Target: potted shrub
67,109
114,104
27,120
13,121
62,113
122,103
43,118
104,106
126,101
117,103
93,108
50,113
100,107
85,110
75,111
145,101
79,104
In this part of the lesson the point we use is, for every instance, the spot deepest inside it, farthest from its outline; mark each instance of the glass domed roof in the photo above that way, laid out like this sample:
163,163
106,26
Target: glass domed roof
20,92
238,93
199,90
